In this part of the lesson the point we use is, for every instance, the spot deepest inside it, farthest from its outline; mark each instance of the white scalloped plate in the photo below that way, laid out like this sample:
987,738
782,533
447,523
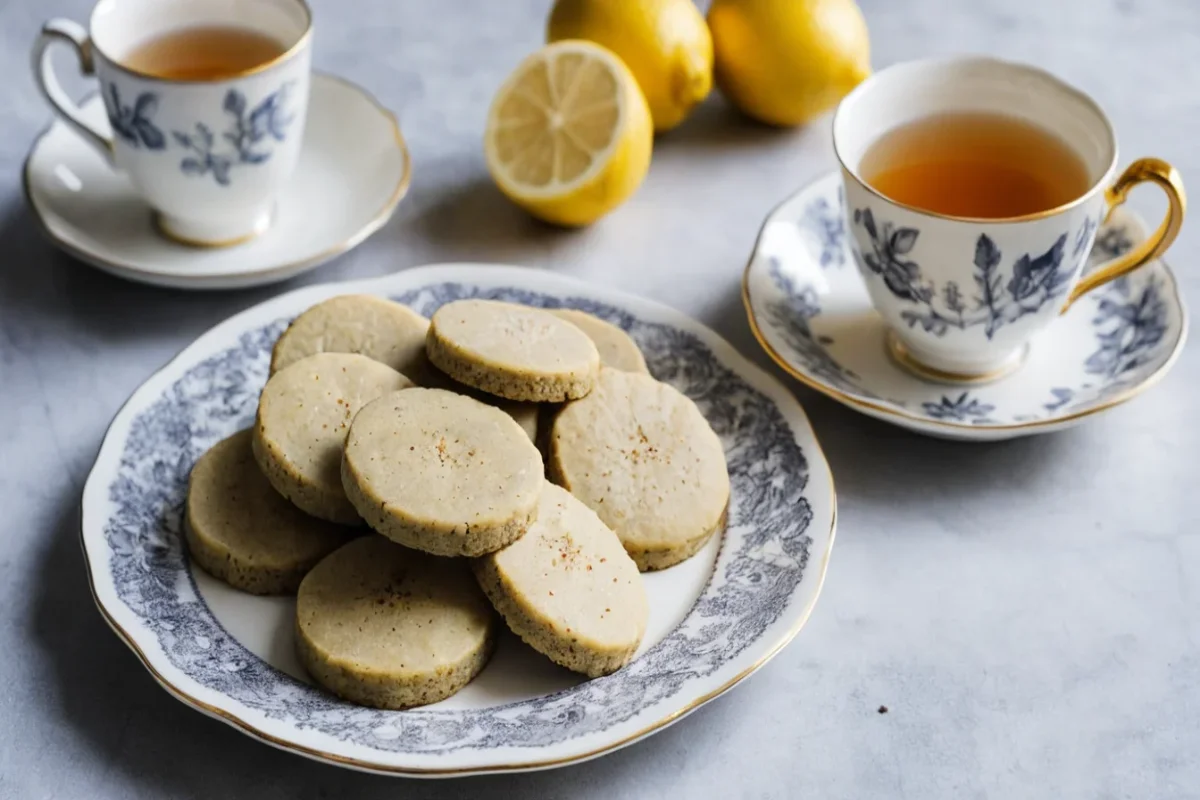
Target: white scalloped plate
714,619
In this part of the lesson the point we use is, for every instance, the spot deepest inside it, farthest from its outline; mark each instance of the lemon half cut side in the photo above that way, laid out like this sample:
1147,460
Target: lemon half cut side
569,134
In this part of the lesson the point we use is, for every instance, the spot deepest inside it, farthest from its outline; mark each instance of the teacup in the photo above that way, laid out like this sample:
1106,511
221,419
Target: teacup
208,156
963,296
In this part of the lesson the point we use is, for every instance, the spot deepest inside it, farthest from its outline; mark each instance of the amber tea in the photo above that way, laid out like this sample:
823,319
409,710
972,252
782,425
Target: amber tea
975,165
203,53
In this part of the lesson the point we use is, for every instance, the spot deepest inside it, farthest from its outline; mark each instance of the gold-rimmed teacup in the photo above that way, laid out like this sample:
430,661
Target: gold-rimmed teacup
964,296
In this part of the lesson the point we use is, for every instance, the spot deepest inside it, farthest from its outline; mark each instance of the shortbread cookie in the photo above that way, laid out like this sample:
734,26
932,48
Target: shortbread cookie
379,329
524,414
617,348
389,627
243,532
513,351
568,588
303,416
441,472
527,415
642,456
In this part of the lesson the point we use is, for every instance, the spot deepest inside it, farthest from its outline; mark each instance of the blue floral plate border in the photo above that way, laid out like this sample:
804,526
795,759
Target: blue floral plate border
810,311
764,583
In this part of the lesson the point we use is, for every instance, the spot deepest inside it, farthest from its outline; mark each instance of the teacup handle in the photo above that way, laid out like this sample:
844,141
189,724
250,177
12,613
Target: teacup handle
1157,171
72,33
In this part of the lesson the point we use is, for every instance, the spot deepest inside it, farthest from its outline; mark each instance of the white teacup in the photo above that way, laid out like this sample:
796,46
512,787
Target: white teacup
208,156
963,296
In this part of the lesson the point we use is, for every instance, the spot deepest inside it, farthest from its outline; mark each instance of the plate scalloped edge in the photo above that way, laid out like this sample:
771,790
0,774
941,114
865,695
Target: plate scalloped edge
759,559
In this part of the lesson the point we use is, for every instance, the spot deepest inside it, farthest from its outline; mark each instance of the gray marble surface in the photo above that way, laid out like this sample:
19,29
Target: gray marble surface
1027,611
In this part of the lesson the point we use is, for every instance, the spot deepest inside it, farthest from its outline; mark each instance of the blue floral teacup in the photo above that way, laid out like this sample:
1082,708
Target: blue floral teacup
208,156
963,296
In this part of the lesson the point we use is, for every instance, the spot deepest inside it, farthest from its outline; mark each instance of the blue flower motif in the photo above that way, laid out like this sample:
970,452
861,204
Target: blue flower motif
902,277
1110,243
1039,275
964,408
1035,281
1062,395
249,129
132,123
1140,325
826,224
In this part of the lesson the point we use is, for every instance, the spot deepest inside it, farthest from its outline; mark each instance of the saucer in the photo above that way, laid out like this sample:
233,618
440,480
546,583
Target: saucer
810,311
354,168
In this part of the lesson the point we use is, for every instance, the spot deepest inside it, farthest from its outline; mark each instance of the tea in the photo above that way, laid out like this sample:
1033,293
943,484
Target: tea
975,165
203,53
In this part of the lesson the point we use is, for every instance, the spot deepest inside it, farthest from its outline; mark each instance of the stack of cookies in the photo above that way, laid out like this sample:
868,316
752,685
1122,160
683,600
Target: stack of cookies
425,431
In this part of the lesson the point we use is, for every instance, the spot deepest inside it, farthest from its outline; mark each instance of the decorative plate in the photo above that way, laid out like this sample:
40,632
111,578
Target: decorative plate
354,168
810,311
714,619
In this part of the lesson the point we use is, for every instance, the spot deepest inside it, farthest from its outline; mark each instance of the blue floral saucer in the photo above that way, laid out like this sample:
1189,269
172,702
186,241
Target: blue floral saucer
810,311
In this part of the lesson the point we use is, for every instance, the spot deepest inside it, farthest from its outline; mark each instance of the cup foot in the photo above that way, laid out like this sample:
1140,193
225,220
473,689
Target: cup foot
904,358
224,234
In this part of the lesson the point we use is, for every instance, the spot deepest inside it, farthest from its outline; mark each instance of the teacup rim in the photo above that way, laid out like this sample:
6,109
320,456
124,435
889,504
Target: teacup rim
1099,185
296,47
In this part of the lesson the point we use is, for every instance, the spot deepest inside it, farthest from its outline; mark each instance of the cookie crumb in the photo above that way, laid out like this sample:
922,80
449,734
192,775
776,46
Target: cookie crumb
883,709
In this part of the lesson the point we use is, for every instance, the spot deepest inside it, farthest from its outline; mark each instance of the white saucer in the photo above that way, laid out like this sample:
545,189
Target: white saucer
354,168
810,311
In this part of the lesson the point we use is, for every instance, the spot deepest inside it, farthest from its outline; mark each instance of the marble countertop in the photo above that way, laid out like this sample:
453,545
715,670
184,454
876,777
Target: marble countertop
1026,611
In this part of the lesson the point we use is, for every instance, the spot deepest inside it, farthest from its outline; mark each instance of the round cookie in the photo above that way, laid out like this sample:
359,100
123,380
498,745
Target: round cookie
441,472
379,329
527,415
304,413
524,414
568,588
642,456
513,351
388,627
617,348
242,531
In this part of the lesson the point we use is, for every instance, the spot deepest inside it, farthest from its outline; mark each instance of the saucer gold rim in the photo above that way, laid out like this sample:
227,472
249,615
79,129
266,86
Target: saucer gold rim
258,277
880,410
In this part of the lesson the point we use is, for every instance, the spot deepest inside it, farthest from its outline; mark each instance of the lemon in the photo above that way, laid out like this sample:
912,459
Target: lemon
786,61
665,44
569,135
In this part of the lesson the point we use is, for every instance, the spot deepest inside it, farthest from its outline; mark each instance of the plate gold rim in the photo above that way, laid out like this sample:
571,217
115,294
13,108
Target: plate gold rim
250,729
878,409
256,277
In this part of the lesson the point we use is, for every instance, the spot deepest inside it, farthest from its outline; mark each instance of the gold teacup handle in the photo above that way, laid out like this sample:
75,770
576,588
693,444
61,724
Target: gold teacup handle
1154,170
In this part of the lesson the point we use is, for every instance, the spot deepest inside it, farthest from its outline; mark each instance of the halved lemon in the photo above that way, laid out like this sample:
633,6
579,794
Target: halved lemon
569,134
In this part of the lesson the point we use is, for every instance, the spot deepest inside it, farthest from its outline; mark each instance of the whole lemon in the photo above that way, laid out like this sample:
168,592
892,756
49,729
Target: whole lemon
785,62
665,44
